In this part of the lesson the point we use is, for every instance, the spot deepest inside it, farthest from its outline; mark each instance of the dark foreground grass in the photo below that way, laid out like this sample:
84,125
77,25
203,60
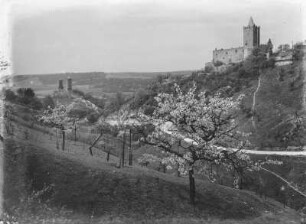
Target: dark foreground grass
82,189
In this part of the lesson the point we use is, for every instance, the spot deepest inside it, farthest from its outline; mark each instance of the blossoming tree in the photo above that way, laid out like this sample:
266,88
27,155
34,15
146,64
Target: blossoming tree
58,118
204,125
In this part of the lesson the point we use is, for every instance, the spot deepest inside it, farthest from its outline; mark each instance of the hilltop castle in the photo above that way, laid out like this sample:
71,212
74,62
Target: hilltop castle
251,40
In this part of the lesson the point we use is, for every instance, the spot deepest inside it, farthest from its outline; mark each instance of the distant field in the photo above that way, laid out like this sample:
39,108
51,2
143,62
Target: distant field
95,83
144,75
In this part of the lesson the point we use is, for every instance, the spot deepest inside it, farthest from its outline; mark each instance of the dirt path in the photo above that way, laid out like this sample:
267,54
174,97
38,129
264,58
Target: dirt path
254,102
278,153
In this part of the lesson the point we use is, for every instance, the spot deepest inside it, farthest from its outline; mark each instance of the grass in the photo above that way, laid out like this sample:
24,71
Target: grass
84,189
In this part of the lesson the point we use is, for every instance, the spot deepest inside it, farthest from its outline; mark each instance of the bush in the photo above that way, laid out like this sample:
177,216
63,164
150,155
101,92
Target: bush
9,95
35,104
25,92
26,96
78,92
48,102
218,63
98,102
148,110
93,118
298,52
79,113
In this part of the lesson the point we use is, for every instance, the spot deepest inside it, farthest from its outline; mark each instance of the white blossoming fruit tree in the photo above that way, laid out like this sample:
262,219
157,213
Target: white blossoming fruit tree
205,128
58,118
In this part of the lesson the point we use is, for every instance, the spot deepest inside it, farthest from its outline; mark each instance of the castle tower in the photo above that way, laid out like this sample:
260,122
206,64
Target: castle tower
69,84
60,85
251,35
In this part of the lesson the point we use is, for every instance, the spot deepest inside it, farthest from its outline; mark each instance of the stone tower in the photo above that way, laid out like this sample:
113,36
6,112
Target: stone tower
60,85
69,84
251,35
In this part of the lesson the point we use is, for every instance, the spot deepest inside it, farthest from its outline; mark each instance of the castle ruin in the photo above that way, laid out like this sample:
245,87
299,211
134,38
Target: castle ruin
251,40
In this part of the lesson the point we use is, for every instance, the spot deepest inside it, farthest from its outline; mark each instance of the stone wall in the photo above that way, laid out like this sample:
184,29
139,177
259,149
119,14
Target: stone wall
232,55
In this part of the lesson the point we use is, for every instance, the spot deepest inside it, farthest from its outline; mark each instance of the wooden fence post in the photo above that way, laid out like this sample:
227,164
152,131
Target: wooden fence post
122,152
130,150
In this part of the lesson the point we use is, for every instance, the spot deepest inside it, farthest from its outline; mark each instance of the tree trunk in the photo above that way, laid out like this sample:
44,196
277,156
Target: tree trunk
90,151
191,186
57,142
178,170
108,152
63,143
240,181
164,168
130,150
94,143
107,158
8,128
238,177
75,133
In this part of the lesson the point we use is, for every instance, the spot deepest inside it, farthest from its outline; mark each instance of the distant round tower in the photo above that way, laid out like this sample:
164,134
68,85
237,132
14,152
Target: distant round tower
69,84
60,85
251,35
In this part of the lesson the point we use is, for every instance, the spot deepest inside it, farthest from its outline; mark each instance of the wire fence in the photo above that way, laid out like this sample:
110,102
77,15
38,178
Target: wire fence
77,140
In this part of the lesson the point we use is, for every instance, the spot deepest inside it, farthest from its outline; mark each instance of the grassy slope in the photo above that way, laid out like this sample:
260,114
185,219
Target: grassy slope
92,188
279,98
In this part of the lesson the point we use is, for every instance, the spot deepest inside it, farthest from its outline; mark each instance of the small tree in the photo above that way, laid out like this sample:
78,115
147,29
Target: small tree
116,103
58,118
298,51
205,124
26,96
102,128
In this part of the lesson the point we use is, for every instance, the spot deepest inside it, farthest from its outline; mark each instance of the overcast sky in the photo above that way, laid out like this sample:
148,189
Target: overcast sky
153,35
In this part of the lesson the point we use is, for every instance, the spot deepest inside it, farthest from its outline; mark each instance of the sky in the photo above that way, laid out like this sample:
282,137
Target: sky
140,35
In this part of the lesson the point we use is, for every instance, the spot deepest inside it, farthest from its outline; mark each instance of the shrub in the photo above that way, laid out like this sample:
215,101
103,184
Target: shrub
78,92
9,95
48,102
148,110
92,117
298,52
26,96
218,63
98,102
35,104
25,92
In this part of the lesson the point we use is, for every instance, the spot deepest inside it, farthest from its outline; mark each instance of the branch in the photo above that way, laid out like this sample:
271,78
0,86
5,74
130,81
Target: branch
95,142
161,143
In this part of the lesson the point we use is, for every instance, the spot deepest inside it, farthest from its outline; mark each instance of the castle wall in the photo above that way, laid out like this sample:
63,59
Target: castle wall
247,52
232,55
251,40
